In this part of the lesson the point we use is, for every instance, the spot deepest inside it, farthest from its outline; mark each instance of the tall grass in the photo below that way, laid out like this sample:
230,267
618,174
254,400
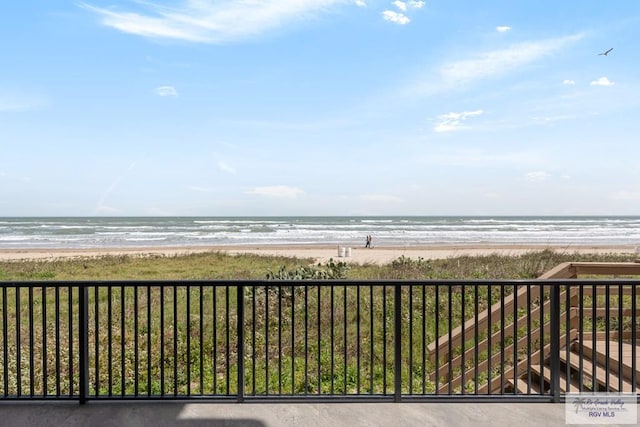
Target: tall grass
302,340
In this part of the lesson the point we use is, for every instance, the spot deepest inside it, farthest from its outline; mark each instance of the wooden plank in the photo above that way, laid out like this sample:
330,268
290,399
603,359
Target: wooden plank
521,345
566,270
613,312
600,372
524,364
572,387
614,358
607,268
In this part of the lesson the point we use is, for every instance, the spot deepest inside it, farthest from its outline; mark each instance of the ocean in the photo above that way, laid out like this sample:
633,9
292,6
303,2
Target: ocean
121,232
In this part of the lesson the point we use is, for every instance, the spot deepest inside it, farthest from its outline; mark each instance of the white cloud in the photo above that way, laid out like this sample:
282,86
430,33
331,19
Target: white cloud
537,176
416,4
166,91
568,82
381,198
400,5
211,21
395,17
602,81
454,121
625,195
279,191
226,167
500,62
361,3
503,28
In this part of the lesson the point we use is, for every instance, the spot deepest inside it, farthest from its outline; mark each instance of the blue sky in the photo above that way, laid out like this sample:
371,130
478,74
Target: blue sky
319,107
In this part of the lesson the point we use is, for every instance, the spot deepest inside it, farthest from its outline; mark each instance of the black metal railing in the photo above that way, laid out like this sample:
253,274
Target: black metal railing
318,340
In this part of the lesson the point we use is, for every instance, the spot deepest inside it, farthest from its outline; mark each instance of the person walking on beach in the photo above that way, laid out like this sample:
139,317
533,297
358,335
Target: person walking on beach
368,242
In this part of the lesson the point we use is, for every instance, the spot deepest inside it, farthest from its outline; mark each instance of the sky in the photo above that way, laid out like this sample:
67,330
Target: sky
319,107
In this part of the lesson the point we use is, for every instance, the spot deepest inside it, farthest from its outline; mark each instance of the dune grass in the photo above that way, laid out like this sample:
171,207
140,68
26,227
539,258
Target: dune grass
314,340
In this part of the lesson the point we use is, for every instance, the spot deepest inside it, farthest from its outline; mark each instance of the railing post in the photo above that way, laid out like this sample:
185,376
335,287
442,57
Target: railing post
83,339
397,337
240,315
555,342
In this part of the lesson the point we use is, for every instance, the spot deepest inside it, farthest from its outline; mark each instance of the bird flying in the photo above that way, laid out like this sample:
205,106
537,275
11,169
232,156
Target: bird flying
605,53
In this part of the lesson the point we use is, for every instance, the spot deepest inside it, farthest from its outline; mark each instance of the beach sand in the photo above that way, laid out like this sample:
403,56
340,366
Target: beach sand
317,253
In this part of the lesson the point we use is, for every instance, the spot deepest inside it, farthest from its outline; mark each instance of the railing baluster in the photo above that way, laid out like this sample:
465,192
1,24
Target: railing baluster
555,342
476,337
5,343
306,340
83,348
620,338
280,339
188,320
344,321
332,326
436,307
240,338
123,381
110,340
634,337
293,340
31,346
502,345
149,341
371,340
410,333
175,340
607,322
57,332
397,335
581,339
136,332
227,340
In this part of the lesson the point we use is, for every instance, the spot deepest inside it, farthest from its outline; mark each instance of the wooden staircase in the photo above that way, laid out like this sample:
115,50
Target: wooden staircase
585,355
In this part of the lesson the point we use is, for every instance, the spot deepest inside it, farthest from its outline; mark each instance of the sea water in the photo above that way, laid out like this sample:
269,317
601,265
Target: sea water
99,232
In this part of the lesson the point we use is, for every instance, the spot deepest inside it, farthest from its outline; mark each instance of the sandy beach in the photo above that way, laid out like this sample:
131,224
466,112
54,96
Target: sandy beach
317,253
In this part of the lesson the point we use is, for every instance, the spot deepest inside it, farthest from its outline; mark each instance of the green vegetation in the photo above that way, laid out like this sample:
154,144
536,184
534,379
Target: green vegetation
217,265
299,344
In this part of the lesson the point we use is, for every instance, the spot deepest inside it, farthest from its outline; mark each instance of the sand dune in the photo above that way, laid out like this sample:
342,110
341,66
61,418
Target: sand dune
376,255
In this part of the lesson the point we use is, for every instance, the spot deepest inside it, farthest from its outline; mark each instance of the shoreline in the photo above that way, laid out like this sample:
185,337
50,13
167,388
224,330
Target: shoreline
320,253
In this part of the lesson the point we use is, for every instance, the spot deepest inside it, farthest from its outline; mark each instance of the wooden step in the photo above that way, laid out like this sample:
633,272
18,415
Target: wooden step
600,372
521,387
615,363
572,387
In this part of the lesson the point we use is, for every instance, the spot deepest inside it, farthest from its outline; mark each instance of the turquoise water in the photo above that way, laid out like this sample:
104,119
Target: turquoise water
95,232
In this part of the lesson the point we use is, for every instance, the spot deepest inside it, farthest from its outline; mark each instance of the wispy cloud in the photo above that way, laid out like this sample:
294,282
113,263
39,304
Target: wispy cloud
226,168
400,5
602,81
537,176
500,62
454,121
568,82
211,21
166,91
503,28
395,17
401,18
361,3
277,191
